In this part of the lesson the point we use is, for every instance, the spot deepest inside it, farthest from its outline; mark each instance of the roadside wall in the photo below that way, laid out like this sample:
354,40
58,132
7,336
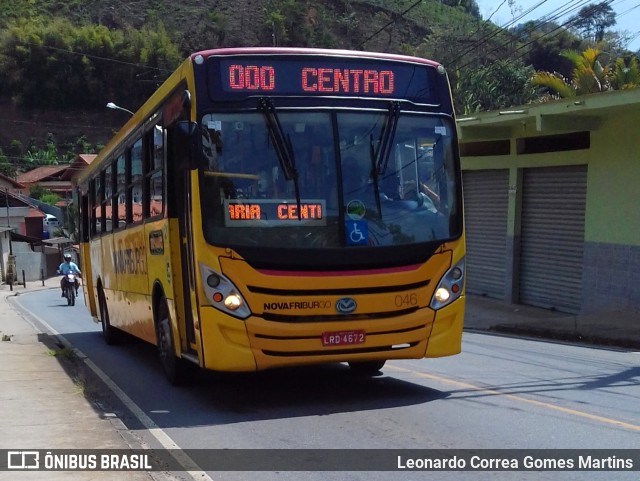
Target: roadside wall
36,263
597,133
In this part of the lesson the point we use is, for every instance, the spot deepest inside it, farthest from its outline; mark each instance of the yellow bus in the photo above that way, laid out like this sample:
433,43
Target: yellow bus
271,207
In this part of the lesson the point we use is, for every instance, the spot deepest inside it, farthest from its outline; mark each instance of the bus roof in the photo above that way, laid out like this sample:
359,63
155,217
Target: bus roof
313,51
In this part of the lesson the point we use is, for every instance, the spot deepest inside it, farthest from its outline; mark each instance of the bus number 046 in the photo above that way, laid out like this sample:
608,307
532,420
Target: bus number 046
407,300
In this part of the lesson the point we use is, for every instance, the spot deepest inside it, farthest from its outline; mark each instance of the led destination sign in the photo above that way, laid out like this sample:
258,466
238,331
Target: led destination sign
327,80
267,212
313,76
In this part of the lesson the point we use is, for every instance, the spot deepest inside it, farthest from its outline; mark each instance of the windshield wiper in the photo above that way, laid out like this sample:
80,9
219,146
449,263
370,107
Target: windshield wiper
282,146
374,175
380,155
387,134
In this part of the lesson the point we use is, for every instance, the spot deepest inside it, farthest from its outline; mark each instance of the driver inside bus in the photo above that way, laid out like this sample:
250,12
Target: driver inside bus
426,184
427,191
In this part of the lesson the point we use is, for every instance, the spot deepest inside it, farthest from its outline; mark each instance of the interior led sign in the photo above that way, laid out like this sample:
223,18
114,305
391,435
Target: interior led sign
269,212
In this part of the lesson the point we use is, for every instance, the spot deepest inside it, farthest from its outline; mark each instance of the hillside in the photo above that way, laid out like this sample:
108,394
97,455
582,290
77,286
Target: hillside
61,62
198,24
389,26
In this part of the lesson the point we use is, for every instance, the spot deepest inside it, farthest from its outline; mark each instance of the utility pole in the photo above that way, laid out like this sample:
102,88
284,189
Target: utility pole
11,263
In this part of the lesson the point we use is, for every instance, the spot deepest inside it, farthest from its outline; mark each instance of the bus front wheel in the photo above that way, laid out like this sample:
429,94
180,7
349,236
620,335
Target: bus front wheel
171,365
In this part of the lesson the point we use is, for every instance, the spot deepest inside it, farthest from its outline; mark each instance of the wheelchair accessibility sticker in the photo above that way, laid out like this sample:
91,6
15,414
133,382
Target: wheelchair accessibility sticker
357,232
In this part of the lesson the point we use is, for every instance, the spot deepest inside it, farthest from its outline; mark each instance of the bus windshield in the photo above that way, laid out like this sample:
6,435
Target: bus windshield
348,179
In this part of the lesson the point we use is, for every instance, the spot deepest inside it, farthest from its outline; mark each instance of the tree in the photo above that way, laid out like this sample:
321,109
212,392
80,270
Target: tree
35,157
287,22
592,20
469,6
6,167
626,74
51,198
544,44
588,76
43,60
501,84
37,191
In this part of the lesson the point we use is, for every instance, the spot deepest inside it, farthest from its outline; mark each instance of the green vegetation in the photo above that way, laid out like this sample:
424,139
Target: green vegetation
44,195
7,168
79,54
51,63
16,159
63,352
46,156
491,87
625,73
589,75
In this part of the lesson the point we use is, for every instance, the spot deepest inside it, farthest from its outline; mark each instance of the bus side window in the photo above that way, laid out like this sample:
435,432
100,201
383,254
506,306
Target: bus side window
107,201
94,208
153,202
134,187
84,218
119,204
100,196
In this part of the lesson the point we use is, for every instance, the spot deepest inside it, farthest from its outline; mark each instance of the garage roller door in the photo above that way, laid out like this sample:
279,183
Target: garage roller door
552,237
486,198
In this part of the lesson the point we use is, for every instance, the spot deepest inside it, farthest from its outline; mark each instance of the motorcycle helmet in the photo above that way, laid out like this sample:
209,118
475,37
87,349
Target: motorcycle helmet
67,257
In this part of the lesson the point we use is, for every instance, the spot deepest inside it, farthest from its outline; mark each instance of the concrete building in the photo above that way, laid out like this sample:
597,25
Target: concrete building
551,196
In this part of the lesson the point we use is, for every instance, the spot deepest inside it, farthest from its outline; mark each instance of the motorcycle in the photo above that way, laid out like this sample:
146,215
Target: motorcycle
70,288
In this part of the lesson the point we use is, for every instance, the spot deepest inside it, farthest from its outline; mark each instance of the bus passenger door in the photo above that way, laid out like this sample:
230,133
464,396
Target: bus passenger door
87,266
179,187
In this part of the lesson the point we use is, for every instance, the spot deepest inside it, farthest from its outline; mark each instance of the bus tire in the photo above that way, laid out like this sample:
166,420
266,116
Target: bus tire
366,368
109,333
173,367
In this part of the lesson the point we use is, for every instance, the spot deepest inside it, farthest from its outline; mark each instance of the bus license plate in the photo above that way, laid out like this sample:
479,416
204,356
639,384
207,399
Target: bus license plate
341,338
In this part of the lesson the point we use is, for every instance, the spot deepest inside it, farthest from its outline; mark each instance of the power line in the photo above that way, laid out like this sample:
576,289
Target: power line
551,17
390,23
497,31
23,160
97,57
556,31
557,13
496,10
636,34
52,124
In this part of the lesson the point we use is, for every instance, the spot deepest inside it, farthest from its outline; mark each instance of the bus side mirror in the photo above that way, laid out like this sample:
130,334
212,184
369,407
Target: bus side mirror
188,142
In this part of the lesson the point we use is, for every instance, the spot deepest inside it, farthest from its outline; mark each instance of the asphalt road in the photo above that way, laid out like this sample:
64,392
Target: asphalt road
500,393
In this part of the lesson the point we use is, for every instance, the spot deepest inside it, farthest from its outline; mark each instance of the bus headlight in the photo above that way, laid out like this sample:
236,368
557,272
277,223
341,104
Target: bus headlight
442,294
233,302
450,286
222,294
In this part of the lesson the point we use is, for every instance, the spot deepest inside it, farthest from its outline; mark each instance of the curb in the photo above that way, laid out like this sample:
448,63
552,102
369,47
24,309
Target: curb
566,336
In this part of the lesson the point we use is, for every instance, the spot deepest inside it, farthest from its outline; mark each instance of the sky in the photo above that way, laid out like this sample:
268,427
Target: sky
500,13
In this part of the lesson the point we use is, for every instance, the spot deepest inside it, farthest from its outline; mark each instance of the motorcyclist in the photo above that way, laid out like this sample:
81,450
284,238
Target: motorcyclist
68,267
